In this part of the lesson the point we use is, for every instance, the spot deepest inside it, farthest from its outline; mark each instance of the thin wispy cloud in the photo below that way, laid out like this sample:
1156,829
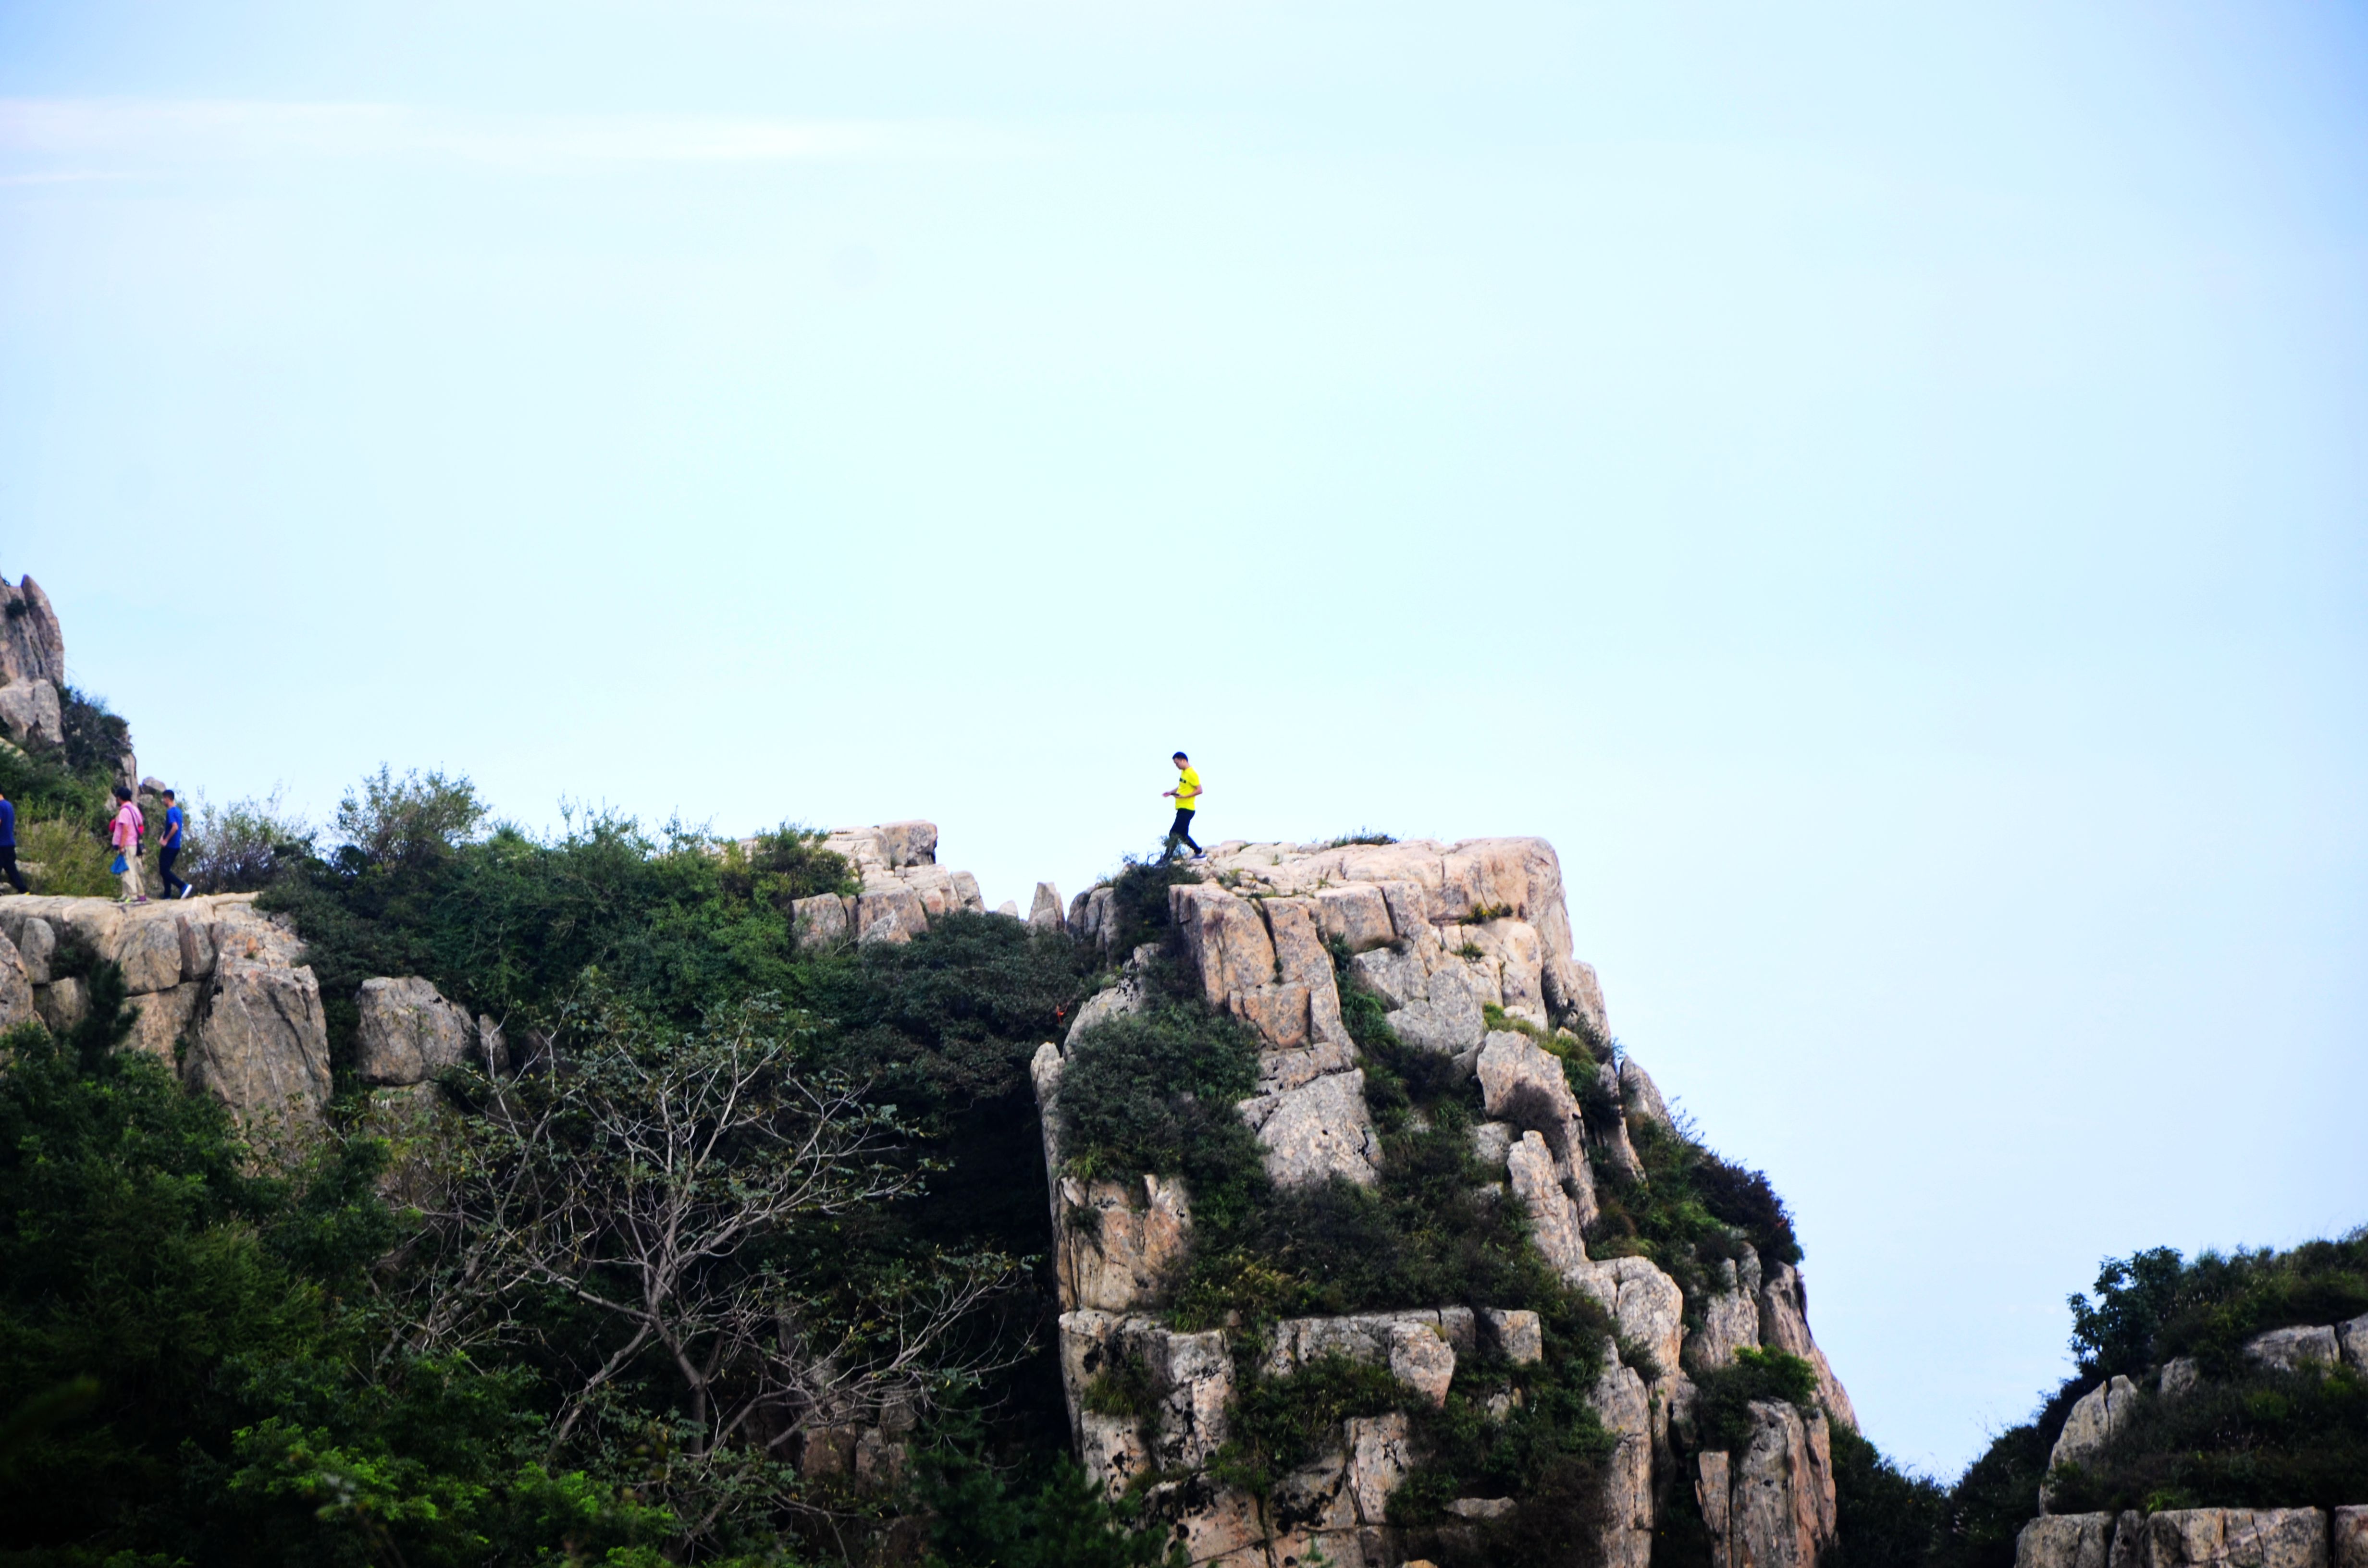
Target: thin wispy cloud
137,132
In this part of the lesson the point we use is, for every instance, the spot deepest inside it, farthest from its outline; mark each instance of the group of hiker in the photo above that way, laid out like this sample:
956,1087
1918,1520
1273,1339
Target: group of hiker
126,834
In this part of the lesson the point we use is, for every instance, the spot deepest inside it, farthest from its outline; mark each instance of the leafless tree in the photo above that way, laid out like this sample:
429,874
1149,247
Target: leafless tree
681,1187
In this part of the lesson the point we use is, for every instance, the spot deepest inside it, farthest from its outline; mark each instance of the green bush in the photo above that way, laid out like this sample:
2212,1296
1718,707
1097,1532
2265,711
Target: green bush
1280,1424
1884,1516
1138,900
2152,1306
64,856
984,1518
1722,1406
2262,1441
188,1369
1156,1092
243,847
783,866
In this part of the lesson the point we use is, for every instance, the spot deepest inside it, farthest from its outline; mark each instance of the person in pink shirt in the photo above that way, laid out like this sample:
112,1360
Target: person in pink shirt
125,836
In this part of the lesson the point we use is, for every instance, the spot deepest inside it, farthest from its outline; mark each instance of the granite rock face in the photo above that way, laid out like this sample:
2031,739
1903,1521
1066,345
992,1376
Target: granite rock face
1784,1325
903,888
1436,932
2067,1541
2291,1349
1625,1409
409,1033
1771,1505
262,1046
33,666
2096,1417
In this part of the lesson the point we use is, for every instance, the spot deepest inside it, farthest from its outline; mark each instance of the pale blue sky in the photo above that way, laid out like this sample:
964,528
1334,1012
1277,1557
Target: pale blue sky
1880,486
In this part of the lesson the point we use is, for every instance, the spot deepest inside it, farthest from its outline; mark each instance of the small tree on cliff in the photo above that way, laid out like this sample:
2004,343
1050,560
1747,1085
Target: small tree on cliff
667,1218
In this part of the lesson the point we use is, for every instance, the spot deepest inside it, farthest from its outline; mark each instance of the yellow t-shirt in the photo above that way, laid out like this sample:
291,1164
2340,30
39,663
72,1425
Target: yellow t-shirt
1188,789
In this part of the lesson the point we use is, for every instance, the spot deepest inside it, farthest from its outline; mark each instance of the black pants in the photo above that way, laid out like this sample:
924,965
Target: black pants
1181,830
9,867
165,858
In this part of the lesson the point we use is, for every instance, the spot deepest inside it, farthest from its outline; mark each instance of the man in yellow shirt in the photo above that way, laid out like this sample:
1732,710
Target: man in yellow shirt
1187,795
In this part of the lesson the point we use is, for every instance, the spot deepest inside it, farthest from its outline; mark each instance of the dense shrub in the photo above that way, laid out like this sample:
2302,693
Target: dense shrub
96,740
1993,1500
1279,1423
1156,1092
1884,1516
783,866
1138,900
243,847
188,1372
2262,1441
1035,1515
2152,1306
1723,1408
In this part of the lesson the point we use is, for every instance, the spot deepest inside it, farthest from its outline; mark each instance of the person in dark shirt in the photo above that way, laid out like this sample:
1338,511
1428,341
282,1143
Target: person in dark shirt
8,844
168,849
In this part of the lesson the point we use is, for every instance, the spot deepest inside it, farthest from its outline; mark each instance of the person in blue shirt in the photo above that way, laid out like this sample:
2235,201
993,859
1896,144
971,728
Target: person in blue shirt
168,849
8,844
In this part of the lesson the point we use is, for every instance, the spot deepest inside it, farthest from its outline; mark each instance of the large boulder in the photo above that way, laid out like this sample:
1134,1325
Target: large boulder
1646,1302
1317,1131
2347,1544
2067,1541
2351,1339
2096,1417
1118,1241
2236,1538
63,1004
1044,913
262,1046
147,945
822,920
409,1032
1524,1085
1641,1096
1427,994
2291,1349
36,942
1223,938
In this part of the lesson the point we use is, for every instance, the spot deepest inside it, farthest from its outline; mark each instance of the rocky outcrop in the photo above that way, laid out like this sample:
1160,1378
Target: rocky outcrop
217,989
33,666
2067,1541
1772,1505
1625,1409
2192,1537
2096,1417
409,1033
2291,1349
1730,1318
2347,1544
1044,913
2351,1338
1438,932
903,888
262,1047
1784,1325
